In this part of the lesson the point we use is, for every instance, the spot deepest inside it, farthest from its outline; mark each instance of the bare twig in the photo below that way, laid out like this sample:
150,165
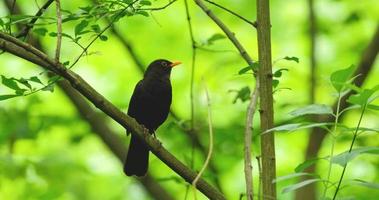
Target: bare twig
192,63
30,25
26,51
254,24
228,33
159,8
260,177
248,138
194,182
59,30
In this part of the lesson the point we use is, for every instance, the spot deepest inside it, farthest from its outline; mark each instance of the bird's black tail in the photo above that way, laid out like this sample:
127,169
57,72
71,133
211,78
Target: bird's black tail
137,160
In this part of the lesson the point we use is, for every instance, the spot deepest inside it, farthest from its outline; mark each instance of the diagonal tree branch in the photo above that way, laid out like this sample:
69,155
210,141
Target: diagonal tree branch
26,51
96,121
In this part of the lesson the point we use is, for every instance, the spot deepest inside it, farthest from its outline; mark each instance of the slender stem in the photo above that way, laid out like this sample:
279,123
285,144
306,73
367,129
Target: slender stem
210,141
30,25
232,12
59,30
350,149
333,143
248,167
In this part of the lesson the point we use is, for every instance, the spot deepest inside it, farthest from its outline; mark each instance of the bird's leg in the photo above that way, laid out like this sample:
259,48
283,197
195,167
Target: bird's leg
155,136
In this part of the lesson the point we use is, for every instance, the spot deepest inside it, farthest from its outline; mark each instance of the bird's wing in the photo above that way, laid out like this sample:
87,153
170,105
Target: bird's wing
136,102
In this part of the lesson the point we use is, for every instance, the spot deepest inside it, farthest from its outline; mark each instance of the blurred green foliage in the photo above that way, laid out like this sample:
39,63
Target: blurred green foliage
48,152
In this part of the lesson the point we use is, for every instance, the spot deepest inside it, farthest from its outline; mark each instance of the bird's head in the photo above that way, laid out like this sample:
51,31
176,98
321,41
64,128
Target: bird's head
160,68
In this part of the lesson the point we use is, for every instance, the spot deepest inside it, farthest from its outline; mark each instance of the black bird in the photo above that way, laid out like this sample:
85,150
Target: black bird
149,105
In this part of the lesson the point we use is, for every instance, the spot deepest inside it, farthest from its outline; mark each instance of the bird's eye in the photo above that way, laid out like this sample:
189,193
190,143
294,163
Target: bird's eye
164,64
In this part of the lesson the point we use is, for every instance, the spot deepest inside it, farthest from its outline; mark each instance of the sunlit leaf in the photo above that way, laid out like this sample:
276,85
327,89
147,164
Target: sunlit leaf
290,176
7,96
35,79
79,28
103,38
215,37
40,31
365,184
315,109
345,157
301,167
292,58
278,73
297,126
300,185
145,3
341,77
243,94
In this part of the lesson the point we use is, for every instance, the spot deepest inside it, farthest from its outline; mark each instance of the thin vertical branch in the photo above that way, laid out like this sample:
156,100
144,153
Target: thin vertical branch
260,177
312,35
192,65
194,182
59,30
248,138
350,149
266,98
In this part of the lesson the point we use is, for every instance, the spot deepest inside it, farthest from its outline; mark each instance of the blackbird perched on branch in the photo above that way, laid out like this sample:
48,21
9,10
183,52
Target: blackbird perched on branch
149,105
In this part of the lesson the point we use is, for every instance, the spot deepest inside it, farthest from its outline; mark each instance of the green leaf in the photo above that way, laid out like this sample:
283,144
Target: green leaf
373,107
365,183
345,157
255,66
215,37
49,88
243,94
80,27
301,167
96,28
142,12
7,96
40,31
278,73
35,79
275,83
316,109
103,38
297,126
53,34
127,1
145,3
24,82
300,185
290,176
293,58
86,9
10,83
363,97
341,77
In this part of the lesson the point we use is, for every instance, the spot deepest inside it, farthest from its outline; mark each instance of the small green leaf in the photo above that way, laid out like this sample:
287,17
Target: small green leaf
341,77
317,109
301,167
345,157
49,88
142,12
53,34
297,126
248,68
145,3
96,28
365,184
67,63
243,94
363,97
35,79
10,83
275,83
215,37
293,58
24,82
40,31
86,9
7,96
103,38
278,73
80,27
127,1
290,176
300,185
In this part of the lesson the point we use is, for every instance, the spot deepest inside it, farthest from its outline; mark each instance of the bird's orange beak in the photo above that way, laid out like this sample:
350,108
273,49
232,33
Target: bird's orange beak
175,63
